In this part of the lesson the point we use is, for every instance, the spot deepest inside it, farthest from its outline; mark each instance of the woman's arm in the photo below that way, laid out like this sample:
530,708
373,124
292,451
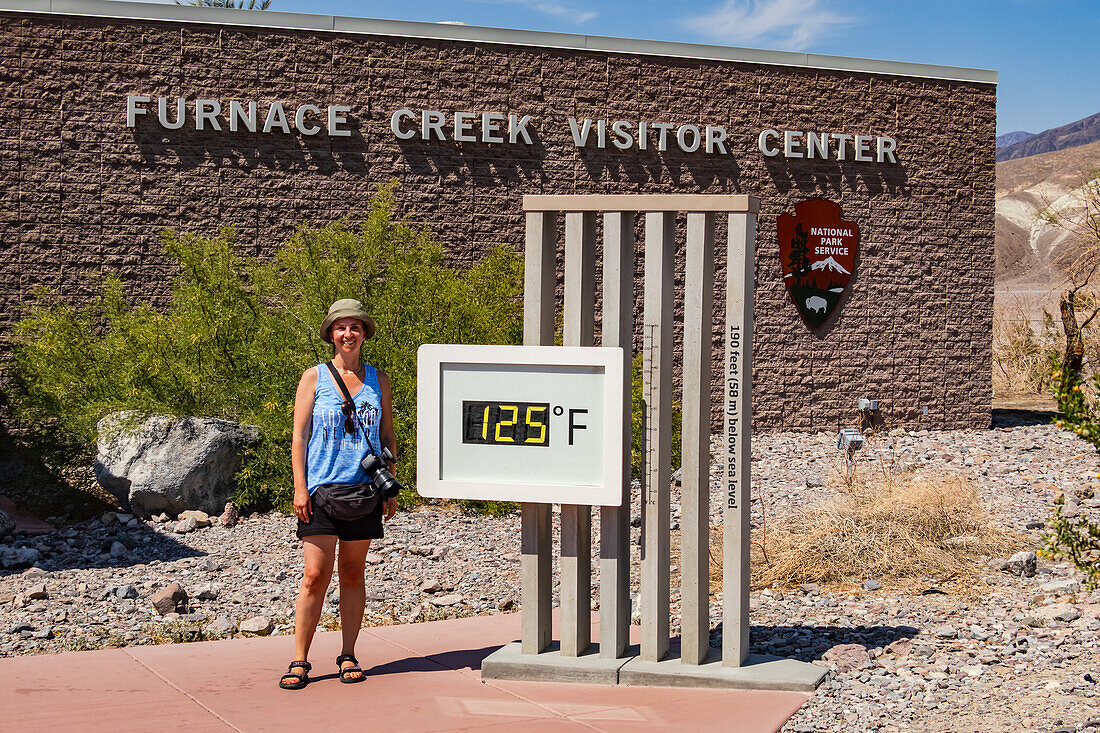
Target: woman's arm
386,434
303,421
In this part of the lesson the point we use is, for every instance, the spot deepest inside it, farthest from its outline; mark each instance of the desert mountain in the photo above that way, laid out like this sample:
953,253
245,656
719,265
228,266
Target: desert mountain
1011,138
1081,132
1028,250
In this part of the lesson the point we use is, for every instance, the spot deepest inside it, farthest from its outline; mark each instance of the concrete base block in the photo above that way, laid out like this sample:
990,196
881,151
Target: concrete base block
760,672
508,663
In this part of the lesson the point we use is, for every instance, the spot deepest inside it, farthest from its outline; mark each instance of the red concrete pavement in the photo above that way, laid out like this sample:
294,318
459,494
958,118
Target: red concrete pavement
421,677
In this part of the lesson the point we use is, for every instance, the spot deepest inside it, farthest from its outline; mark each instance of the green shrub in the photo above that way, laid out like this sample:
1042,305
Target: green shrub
1075,538
239,330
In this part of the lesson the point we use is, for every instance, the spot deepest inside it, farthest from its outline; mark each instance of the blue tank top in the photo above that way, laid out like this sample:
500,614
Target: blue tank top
333,456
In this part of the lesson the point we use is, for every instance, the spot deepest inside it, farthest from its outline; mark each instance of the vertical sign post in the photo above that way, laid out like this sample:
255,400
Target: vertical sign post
660,233
576,520
695,486
618,330
540,275
736,438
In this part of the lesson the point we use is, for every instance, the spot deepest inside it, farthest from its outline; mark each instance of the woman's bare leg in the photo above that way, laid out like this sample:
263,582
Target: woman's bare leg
320,551
353,591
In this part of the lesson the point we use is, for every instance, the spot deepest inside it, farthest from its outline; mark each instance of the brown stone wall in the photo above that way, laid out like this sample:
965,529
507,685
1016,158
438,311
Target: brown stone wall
83,194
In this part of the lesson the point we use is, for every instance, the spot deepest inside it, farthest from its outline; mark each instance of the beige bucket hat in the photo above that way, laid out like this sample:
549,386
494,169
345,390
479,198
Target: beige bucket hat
345,308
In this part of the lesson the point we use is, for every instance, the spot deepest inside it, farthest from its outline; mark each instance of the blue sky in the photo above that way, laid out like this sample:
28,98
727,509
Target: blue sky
1044,50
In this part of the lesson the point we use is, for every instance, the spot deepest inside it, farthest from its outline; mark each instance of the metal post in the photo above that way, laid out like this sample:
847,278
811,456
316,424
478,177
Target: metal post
740,270
576,520
695,485
540,274
660,231
618,330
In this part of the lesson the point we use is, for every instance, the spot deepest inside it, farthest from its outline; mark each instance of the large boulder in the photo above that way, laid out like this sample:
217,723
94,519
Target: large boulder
165,464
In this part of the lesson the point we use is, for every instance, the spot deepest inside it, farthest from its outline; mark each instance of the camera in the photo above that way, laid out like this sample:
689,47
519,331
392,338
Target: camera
375,466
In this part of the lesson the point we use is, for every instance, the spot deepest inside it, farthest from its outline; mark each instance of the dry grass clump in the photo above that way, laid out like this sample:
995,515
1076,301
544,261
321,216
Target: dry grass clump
1021,355
898,525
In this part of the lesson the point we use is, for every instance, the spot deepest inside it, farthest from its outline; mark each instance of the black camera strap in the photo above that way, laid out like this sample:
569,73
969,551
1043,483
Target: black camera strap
347,397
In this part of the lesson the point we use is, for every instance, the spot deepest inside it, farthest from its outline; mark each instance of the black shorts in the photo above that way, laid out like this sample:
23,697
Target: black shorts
320,523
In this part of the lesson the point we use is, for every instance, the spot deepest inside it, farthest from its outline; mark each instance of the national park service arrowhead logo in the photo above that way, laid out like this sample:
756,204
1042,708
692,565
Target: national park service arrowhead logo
818,251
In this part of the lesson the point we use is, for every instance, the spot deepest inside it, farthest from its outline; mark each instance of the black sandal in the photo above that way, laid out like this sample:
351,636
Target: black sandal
294,680
346,671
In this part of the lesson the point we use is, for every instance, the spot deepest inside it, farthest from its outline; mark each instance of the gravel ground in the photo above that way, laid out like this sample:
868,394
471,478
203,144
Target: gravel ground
1007,652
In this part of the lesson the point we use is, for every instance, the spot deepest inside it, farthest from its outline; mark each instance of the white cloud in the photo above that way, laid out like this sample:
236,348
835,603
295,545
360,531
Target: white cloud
789,24
550,7
561,11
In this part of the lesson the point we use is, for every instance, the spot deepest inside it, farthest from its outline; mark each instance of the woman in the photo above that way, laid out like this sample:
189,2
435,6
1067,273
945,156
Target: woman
325,451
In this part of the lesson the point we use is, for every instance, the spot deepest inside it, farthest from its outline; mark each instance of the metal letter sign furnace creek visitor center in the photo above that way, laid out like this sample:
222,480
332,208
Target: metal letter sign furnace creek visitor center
875,179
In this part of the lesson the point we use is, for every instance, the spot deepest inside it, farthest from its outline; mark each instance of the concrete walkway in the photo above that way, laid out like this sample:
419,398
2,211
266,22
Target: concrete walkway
421,677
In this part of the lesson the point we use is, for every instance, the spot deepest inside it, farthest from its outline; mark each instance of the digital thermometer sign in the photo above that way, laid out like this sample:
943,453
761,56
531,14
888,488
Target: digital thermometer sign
506,423
520,423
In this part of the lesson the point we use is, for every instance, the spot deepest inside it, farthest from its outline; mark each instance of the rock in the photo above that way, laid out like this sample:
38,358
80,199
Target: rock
1035,525
1062,587
118,550
963,543
206,592
201,519
871,585
257,625
170,599
162,518
814,482
19,557
185,526
506,604
1023,564
126,591
431,586
372,559
230,516
1057,612
900,647
810,589
448,600
220,626
164,464
946,632
847,657
127,541
7,524
36,592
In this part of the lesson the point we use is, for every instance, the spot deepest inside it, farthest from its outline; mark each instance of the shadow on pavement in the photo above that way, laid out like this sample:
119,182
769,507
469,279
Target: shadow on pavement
457,659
